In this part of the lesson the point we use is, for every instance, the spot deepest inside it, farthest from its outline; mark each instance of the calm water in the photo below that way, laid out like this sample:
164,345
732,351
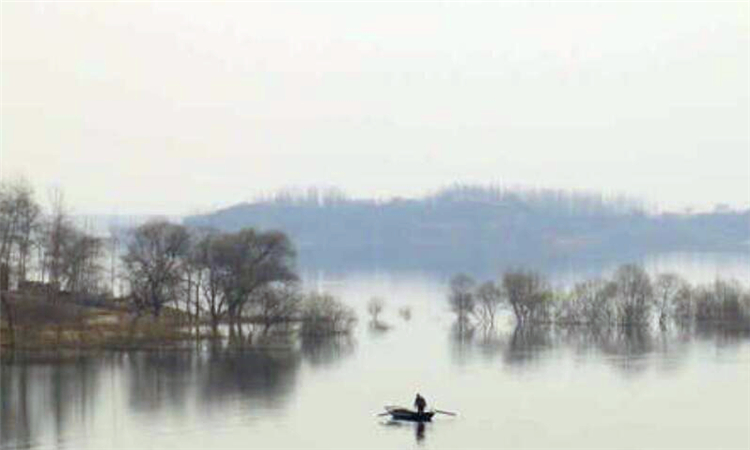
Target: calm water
541,388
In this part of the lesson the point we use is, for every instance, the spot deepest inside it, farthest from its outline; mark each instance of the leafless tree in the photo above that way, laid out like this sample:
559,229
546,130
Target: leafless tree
233,267
276,303
56,230
80,252
194,270
374,307
595,303
489,297
212,274
19,222
248,260
461,297
634,294
324,315
527,294
153,262
723,301
667,288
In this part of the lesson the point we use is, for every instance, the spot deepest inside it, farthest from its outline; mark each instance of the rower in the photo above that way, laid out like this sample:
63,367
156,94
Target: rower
420,403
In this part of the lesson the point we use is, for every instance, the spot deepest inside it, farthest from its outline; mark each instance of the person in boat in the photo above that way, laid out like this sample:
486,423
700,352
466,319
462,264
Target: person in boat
420,403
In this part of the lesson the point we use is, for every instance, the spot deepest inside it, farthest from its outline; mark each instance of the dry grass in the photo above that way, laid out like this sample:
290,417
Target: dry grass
41,324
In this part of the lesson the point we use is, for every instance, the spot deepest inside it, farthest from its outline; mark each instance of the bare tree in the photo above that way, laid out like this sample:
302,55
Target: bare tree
79,261
276,303
634,294
234,266
57,229
19,223
374,307
667,288
193,271
405,312
489,297
212,275
153,261
595,299
248,260
527,294
461,297
8,221
323,315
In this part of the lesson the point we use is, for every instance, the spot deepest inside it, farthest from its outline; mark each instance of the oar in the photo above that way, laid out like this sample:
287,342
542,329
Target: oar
446,412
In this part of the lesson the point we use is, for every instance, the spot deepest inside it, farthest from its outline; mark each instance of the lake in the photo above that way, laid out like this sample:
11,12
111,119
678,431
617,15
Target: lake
534,388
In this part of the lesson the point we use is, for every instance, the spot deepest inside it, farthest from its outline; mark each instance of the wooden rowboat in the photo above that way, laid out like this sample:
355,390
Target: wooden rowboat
399,413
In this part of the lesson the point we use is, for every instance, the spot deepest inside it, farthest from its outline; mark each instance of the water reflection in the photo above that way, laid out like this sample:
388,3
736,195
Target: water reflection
419,432
178,397
629,349
323,352
420,428
39,399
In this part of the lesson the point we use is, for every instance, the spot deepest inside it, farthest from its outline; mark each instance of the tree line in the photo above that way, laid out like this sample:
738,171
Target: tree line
629,297
225,277
45,246
207,275
477,228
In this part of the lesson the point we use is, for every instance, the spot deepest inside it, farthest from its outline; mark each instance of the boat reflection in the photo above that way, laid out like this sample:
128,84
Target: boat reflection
419,432
420,428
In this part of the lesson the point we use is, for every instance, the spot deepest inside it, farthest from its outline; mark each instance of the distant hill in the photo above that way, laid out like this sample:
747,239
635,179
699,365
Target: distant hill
470,227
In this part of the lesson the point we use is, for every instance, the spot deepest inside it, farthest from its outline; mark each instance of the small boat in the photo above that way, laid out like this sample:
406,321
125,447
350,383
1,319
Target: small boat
399,413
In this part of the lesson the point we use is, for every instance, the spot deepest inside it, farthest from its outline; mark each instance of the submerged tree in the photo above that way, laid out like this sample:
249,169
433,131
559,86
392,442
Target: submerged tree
489,297
322,315
374,307
276,303
528,295
595,303
667,288
461,297
634,294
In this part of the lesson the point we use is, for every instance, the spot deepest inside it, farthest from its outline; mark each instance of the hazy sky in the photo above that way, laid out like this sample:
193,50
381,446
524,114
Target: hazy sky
135,108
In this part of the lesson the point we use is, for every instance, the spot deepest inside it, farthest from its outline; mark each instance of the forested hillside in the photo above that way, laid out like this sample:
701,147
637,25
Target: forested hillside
483,226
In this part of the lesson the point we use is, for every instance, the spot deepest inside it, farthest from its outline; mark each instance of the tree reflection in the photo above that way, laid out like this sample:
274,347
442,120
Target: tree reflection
166,380
259,376
157,378
462,340
628,348
526,344
39,398
327,350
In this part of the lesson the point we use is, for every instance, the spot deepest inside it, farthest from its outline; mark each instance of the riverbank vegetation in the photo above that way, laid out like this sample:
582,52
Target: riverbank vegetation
178,283
630,297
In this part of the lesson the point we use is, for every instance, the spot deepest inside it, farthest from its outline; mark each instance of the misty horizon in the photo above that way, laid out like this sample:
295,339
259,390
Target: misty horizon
328,193
172,109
